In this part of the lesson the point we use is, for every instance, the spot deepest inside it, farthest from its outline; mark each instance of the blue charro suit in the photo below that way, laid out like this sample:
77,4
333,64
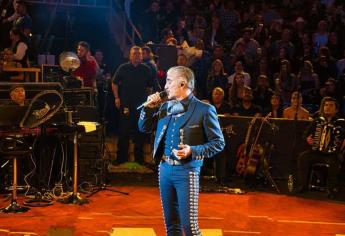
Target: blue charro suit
179,179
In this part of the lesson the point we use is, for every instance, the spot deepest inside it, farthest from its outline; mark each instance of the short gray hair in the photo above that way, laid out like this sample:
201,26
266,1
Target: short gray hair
185,74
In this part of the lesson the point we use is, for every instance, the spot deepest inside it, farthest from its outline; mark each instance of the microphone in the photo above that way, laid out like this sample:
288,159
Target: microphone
162,95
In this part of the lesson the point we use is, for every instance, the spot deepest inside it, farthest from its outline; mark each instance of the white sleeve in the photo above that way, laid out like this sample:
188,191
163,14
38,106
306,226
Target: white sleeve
20,53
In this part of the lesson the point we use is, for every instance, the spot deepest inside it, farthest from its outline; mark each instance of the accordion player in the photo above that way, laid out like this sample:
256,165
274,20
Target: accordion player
326,139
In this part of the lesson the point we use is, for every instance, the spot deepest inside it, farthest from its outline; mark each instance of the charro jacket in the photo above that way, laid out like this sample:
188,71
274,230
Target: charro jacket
200,126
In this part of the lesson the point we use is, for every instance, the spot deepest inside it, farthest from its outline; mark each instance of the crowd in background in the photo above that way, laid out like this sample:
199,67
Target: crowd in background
248,57
270,49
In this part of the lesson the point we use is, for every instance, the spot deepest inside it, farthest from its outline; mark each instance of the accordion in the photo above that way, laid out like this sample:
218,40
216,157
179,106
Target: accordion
328,136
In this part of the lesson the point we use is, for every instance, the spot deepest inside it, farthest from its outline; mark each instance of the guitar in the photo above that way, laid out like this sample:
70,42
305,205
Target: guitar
241,155
256,152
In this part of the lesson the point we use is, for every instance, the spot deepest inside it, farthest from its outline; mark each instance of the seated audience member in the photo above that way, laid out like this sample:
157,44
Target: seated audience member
276,108
222,107
247,108
309,82
322,148
329,89
217,78
262,92
250,45
295,110
235,91
239,69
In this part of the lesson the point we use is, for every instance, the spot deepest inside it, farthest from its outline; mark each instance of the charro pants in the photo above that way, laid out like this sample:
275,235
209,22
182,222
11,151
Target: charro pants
309,157
179,191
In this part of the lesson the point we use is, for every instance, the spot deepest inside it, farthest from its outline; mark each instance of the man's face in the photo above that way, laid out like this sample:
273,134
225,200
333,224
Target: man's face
247,95
330,87
275,100
20,9
262,82
81,51
99,56
146,55
238,67
173,84
218,53
286,35
18,95
330,109
136,56
239,79
181,60
246,36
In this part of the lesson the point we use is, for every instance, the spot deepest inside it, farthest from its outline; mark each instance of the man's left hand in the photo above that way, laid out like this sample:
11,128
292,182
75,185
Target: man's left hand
183,152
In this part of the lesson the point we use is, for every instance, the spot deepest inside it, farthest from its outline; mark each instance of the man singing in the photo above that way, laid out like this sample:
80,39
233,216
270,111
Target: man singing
187,131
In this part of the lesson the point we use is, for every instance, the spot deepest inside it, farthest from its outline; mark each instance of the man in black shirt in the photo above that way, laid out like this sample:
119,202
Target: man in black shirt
132,82
247,108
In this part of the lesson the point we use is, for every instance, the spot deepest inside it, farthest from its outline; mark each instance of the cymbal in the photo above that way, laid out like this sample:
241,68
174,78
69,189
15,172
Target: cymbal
69,61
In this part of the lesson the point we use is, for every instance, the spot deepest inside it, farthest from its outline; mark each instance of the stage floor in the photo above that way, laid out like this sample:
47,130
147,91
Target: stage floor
253,213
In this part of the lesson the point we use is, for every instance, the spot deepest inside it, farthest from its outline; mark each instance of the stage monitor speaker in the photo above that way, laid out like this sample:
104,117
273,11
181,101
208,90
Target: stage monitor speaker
52,73
78,97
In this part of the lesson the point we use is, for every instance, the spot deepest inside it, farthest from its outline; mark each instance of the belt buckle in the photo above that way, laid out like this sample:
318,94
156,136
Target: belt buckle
171,162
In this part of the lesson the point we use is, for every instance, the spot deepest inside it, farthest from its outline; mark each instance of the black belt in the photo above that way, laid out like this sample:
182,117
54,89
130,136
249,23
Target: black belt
170,161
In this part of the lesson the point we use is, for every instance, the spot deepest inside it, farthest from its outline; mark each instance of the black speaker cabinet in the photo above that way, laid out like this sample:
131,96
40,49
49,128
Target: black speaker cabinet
52,73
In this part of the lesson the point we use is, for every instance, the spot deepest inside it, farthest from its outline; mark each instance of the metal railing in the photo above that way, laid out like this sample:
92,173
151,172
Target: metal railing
76,3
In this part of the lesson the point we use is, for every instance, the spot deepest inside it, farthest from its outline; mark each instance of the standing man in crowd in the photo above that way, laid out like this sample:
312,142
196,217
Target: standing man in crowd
24,21
187,131
247,108
88,65
132,82
103,78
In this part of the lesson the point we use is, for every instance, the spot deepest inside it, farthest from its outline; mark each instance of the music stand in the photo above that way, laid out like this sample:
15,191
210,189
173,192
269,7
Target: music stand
75,197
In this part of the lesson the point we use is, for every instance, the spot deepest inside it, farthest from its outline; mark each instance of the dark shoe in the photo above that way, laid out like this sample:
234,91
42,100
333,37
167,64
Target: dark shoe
332,193
299,189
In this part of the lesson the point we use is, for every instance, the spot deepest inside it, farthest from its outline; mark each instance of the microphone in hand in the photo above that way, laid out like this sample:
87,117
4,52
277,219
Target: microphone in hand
154,99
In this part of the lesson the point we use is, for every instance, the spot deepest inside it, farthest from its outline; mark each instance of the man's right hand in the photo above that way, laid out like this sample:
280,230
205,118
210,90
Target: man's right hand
117,103
310,140
155,100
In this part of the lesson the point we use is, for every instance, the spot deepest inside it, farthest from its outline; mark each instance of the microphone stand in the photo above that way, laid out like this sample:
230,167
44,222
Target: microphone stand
74,197
291,182
103,186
